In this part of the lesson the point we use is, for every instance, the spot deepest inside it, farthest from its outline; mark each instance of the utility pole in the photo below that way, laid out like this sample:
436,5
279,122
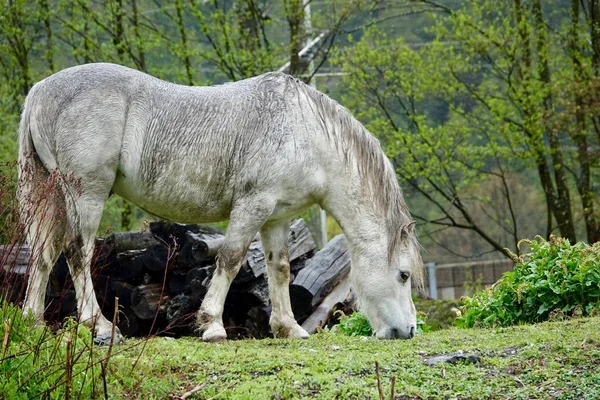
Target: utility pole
309,41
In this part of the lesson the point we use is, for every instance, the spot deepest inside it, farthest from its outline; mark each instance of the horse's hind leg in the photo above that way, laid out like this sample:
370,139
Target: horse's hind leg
245,220
84,211
45,234
275,243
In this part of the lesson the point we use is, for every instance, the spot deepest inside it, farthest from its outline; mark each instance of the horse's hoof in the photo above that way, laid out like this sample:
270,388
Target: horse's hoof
105,339
297,332
214,334
293,332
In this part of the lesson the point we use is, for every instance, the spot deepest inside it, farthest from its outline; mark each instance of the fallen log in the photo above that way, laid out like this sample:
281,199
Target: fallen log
300,245
197,281
133,267
107,289
14,258
301,242
124,266
177,283
323,312
148,300
321,274
257,322
128,322
172,233
181,311
60,278
199,248
123,241
259,290
131,263
57,308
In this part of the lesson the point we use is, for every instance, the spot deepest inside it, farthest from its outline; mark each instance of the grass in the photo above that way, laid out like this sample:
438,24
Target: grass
549,360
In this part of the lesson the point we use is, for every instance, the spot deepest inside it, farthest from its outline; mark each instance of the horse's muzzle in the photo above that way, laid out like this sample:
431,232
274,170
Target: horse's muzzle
396,333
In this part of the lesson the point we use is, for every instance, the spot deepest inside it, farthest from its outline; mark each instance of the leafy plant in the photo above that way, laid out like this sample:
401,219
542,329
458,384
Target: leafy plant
355,324
422,326
555,278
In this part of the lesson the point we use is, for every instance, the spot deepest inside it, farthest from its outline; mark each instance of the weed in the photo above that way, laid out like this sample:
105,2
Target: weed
554,280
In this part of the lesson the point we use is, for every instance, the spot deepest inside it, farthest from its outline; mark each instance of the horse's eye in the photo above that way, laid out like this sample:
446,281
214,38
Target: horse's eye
403,276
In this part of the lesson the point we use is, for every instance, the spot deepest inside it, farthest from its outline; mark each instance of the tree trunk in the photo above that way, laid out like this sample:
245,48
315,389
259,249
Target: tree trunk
17,42
584,187
295,17
118,39
185,54
140,60
558,200
46,14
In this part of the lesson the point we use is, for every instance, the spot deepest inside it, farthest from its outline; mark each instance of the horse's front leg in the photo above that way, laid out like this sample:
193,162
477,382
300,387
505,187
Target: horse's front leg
282,321
246,219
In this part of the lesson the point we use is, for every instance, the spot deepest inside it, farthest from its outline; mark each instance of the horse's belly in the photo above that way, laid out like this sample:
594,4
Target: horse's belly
182,202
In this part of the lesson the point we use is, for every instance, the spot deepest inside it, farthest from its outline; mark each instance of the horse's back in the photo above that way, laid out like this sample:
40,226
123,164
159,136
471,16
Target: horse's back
183,153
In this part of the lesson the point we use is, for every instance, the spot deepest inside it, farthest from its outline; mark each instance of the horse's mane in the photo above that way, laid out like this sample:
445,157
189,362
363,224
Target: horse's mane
377,174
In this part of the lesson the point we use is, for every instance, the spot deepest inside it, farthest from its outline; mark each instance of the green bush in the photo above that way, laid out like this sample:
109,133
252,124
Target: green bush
555,279
356,324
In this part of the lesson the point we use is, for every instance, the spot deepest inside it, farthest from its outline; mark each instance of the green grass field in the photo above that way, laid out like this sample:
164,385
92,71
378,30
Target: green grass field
549,360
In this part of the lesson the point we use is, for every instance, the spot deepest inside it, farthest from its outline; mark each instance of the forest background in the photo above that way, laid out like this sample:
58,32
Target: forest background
489,109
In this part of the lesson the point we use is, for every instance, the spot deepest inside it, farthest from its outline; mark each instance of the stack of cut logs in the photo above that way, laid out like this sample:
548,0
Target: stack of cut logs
160,277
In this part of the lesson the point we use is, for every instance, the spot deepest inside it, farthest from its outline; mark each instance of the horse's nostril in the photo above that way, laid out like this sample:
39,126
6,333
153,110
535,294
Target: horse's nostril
395,333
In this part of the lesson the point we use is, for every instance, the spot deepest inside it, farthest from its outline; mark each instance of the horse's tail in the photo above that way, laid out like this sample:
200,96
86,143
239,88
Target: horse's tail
29,165
38,188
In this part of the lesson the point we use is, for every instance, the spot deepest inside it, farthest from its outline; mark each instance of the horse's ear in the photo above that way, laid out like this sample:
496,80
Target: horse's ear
408,229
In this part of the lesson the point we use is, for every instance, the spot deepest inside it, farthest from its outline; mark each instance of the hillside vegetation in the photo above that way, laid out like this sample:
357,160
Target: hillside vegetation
488,110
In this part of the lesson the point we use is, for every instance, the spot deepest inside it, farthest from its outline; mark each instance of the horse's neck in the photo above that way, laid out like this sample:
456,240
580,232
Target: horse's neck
363,225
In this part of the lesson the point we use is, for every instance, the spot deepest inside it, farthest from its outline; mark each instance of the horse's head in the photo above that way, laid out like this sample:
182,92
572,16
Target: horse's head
385,292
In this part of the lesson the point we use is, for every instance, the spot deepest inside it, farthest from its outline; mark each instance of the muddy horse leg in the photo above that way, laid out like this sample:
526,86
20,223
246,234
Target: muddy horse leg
246,219
275,243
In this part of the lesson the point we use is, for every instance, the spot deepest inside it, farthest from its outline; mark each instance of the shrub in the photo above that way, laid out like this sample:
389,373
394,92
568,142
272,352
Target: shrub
37,363
356,324
554,279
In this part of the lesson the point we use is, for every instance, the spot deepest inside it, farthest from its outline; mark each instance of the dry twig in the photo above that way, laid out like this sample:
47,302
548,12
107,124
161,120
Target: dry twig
191,392
379,388
68,370
6,336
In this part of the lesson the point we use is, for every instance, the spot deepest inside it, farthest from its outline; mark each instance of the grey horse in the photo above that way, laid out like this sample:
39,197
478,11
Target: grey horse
256,152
